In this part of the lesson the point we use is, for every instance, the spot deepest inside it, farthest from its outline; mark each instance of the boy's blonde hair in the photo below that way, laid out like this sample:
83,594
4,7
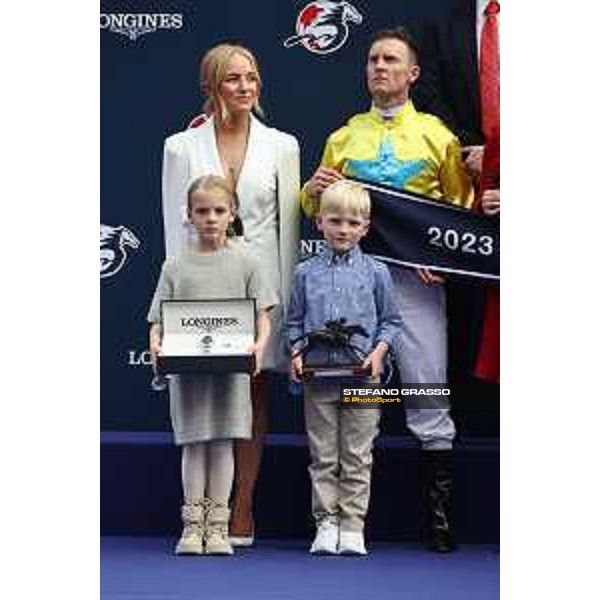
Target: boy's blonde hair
346,196
212,72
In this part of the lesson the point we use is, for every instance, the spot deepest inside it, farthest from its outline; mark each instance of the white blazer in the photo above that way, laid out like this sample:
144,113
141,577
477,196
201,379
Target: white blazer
268,189
271,169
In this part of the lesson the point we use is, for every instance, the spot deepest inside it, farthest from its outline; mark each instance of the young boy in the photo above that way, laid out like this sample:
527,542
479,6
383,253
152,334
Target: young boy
341,282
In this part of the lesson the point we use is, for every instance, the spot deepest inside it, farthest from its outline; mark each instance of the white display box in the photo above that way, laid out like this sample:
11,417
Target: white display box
207,336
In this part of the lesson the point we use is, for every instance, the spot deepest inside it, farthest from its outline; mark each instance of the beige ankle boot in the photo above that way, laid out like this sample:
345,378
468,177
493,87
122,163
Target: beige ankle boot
192,515
216,537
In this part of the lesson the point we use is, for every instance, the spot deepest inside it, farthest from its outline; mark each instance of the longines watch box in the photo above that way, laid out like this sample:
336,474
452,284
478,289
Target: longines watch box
207,336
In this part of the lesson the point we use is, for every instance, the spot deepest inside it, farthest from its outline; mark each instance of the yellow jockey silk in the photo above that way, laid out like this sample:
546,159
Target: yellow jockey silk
412,151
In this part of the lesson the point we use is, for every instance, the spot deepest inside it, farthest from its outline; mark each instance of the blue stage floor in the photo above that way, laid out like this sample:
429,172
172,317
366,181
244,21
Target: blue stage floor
144,568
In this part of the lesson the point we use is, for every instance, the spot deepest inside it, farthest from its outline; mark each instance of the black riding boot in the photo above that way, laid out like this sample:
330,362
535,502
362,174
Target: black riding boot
437,497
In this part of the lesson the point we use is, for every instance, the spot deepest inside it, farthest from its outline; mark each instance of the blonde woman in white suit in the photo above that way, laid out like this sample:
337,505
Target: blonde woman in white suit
262,165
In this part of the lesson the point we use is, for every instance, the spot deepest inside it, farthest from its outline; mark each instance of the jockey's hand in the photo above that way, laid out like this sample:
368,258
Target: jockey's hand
322,179
429,277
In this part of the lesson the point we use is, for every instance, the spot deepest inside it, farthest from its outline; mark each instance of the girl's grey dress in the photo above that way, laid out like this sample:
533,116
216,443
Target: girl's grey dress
210,407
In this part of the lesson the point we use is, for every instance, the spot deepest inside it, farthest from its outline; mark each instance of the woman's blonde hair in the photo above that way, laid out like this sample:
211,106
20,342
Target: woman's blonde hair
213,184
212,72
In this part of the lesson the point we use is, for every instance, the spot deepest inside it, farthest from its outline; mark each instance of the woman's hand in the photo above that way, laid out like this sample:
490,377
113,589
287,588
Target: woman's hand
258,350
263,326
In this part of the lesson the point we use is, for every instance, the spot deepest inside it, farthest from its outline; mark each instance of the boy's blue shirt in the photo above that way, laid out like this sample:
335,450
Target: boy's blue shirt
353,286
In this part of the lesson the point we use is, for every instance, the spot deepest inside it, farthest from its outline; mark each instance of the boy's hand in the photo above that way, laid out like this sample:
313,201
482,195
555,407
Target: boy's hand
296,368
375,360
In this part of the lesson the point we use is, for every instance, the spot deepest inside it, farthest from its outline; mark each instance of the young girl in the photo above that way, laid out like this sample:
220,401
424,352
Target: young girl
209,411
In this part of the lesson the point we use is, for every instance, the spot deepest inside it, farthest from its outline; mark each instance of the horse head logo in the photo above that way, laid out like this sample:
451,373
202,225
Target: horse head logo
322,26
113,253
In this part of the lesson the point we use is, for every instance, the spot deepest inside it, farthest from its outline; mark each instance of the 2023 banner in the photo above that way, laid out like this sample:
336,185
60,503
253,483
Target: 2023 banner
413,230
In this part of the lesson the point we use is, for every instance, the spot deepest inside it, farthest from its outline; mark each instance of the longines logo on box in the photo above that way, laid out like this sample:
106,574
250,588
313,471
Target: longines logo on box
134,25
209,324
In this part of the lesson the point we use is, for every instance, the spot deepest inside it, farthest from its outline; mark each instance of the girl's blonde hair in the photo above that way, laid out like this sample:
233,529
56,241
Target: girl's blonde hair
212,72
213,184
346,196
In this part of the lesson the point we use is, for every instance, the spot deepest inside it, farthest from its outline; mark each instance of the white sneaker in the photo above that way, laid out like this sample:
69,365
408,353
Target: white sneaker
352,542
241,541
326,540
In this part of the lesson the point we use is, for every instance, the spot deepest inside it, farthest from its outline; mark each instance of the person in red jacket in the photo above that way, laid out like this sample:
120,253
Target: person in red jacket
487,366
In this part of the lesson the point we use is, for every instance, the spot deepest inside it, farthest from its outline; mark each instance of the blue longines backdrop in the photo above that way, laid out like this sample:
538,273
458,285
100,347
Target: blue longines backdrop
149,89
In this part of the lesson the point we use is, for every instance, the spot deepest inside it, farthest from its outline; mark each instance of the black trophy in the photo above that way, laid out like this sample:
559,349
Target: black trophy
329,352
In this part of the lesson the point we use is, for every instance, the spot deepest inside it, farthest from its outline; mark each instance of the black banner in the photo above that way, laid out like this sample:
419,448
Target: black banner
414,230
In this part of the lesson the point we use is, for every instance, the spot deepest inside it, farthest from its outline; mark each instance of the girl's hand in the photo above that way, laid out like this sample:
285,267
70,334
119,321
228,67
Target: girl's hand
296,368
155,347
154,352
155,343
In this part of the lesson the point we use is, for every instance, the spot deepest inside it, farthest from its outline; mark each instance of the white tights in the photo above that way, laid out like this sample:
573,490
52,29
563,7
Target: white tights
207,470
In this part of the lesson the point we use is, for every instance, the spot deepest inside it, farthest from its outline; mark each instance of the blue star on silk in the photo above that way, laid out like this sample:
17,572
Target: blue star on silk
385,167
